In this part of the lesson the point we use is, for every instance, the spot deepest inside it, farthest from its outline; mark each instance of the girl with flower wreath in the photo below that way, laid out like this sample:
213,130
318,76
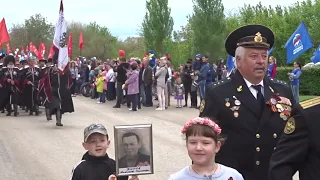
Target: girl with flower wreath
203,141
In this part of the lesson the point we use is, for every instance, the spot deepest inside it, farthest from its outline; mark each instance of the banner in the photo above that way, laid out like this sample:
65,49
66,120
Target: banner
60,40
70,46
81,41
4,35
299,42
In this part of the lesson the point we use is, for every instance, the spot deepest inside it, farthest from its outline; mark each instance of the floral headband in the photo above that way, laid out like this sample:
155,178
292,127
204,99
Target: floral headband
204,121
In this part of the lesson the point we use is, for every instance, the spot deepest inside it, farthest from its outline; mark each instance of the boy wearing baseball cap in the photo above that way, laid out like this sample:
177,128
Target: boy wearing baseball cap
95,163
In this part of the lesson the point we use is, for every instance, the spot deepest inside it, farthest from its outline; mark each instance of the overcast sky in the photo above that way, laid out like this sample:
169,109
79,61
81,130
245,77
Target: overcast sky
122,17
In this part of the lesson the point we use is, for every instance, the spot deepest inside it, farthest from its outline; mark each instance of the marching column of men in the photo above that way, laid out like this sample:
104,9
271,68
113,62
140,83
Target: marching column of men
30,86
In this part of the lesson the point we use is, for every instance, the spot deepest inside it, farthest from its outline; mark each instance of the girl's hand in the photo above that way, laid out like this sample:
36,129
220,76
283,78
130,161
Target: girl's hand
134,178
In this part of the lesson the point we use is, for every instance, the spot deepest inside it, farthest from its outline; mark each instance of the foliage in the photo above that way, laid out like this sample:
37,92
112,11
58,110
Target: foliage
204,33
309,83
157,25
98,40
34,29
208,26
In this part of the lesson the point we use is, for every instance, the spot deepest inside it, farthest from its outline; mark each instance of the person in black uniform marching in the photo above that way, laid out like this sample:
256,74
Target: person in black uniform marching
30,77
10,85
57,87
299,147
250,108
1,84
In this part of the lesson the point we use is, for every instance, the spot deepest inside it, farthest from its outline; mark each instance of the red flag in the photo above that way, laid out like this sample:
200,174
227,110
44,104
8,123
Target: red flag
42,50
4,35
27,48
22,49
31,47
81,41
70,46
51,51
8,48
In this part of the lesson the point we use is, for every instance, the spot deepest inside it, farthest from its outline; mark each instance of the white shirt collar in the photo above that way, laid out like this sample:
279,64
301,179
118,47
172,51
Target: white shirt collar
249,84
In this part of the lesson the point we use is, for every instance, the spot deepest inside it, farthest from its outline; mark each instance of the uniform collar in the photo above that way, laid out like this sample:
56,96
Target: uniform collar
249,84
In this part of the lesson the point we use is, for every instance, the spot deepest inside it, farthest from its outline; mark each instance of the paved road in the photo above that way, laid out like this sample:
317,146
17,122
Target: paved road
33,149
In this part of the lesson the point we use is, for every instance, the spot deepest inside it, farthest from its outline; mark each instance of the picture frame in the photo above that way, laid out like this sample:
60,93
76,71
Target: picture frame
133,149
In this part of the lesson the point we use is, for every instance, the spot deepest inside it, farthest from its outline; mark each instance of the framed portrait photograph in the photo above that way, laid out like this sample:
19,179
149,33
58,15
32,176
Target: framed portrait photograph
134,149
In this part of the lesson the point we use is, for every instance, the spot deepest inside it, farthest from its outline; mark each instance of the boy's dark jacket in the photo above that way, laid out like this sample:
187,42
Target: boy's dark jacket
95,168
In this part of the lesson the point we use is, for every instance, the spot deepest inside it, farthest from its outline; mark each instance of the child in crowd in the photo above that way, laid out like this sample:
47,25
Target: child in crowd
99,85
95,163
105,83
179,91
203,142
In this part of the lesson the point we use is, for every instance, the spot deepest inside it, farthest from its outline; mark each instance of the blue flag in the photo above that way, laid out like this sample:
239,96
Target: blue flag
316,55
270,51
299,42
2,51
230,63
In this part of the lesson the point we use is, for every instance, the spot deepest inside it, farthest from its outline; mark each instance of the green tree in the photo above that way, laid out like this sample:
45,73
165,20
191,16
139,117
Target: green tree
157,25
39,29
208,25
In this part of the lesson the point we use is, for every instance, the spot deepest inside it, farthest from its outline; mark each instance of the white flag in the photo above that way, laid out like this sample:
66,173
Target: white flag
60,40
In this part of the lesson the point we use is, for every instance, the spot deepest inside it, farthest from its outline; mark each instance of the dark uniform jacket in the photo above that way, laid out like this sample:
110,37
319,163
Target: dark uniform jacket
9,89
299,146
250,139
30,92
142,158
60,85
95,168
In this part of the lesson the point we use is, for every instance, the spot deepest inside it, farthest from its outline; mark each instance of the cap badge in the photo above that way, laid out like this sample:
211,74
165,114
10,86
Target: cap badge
258,37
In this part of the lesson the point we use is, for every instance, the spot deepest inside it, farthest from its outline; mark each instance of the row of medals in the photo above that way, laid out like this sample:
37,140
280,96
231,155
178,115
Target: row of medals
235,108
283,109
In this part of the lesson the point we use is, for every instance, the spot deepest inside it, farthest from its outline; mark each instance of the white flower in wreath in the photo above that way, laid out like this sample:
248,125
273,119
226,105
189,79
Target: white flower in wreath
7,73
36,73
14,73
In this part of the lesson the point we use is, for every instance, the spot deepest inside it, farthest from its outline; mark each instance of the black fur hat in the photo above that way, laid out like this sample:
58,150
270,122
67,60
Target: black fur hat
8,59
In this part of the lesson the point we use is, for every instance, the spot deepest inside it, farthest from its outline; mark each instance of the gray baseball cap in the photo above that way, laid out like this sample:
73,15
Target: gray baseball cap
94,128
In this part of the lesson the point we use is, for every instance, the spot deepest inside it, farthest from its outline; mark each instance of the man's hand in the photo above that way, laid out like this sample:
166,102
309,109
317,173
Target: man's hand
8,80
12,82
0,85
29,82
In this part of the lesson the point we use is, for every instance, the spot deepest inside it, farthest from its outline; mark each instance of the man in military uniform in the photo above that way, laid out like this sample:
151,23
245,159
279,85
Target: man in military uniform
1,85
44,90
30,77
10,85
250,108
299,147
57,87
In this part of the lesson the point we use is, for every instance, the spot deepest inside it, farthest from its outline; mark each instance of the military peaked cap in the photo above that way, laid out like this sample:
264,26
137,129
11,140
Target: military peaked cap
249,36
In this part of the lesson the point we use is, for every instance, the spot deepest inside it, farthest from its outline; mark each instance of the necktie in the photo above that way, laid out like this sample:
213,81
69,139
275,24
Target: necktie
260,97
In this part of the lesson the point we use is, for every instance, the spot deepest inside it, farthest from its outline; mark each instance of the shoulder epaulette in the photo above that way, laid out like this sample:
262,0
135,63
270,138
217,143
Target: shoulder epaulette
1,64
221,82
27,66
277,81
20,69
310,103
5,67
43,67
